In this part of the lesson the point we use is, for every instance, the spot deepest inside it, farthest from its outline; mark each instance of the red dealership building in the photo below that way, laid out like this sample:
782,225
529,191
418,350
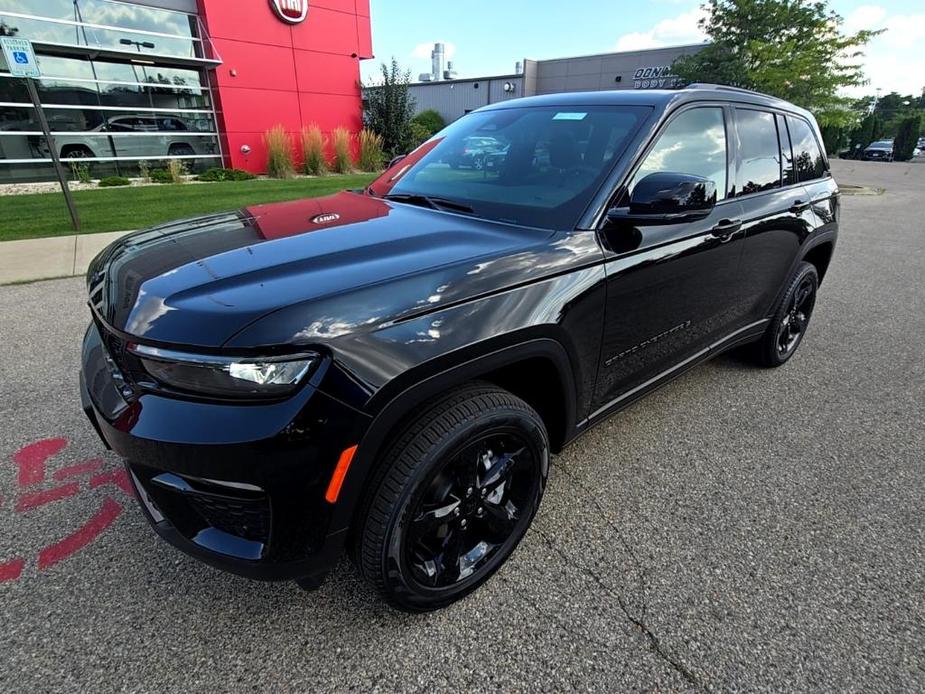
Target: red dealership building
124,81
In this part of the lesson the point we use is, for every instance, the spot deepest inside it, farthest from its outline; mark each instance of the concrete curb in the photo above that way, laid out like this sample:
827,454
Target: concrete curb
59,256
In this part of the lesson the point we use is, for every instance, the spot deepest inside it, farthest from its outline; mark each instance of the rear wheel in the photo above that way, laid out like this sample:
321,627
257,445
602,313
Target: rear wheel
455,494
76,152
788,327
181,150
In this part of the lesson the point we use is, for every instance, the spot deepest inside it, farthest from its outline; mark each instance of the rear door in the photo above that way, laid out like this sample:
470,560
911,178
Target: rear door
771,178
671,289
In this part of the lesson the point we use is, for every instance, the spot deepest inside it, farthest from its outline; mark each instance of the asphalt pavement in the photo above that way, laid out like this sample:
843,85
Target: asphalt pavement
738,530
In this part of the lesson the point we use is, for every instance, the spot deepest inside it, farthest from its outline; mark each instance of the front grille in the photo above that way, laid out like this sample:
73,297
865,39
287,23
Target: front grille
245,518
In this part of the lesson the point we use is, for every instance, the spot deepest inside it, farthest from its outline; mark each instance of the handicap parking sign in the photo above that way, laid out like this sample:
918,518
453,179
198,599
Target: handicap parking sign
19,57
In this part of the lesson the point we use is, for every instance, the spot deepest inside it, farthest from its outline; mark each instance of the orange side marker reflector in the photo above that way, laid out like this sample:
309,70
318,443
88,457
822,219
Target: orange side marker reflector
340,472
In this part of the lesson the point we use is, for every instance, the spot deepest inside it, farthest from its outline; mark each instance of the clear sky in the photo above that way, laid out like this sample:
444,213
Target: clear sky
486,37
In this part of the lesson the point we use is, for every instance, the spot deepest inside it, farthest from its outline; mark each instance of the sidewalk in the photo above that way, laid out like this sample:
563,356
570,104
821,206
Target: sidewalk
59,256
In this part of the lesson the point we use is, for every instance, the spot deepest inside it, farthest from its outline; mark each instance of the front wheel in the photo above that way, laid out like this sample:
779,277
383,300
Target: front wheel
453,497
788,327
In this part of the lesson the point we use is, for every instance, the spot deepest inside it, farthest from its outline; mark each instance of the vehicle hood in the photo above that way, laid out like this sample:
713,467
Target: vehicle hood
199,282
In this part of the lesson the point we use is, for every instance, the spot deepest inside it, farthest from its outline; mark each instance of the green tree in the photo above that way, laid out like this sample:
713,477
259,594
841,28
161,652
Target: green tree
789,48
388,109
906,138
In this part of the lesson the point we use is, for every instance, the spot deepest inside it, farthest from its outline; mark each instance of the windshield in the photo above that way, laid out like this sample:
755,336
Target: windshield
532,166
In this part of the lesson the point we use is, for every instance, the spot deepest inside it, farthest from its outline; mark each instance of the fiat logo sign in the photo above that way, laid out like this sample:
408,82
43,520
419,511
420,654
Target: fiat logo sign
291,11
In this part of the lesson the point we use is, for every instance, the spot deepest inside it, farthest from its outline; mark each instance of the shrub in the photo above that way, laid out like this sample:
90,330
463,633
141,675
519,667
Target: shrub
144,170
177,170
907,136
112,181
313,143
80,170
371,155
161,176
342,160
279,152
431,120
218,174
419,135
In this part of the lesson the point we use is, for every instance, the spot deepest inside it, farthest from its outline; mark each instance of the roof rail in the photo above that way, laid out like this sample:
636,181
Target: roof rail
721,87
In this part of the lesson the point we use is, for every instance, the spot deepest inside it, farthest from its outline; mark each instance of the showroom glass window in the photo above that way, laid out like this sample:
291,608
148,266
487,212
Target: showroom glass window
759,151
806,153
107,107
693,143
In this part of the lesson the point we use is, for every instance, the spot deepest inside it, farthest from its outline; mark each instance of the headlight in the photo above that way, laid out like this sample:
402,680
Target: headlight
225,376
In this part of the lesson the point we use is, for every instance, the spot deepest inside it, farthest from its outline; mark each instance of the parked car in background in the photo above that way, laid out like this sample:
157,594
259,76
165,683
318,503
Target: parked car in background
388,369
881,150
474,152
134,136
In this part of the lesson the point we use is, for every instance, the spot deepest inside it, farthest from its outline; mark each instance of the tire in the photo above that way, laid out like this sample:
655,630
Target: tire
791,319
181,150
76,152
452,498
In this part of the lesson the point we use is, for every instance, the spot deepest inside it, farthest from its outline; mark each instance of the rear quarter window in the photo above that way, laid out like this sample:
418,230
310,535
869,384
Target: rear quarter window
807,157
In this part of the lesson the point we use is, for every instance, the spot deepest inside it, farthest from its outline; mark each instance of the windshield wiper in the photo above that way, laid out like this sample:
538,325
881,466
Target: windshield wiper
434,203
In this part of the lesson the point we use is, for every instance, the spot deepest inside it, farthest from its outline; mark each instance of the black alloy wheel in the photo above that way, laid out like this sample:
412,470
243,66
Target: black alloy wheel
470,509
791,319
452,497
795,321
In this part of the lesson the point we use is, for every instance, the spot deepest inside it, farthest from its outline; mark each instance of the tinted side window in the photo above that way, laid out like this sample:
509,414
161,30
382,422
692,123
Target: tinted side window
806,154
760,151
789,174
693,143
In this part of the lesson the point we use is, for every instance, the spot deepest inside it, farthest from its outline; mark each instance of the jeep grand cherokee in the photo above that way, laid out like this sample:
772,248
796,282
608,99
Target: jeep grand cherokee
389,369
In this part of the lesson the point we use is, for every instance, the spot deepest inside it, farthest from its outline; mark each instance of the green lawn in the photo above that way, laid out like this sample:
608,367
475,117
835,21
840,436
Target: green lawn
117,209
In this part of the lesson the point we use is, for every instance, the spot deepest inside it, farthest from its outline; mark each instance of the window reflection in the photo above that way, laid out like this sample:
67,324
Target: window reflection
760,151
806,153
106,108
693,143
104,24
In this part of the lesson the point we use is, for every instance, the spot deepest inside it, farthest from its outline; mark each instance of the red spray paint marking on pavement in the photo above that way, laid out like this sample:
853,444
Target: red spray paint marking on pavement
116,477
31,459
10,571
46,497
84,535
79,469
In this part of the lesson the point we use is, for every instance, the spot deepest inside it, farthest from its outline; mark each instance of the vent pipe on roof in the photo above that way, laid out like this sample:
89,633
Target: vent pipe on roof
436,58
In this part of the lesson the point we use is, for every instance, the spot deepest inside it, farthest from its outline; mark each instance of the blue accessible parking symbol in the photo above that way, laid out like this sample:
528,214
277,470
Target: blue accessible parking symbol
21,57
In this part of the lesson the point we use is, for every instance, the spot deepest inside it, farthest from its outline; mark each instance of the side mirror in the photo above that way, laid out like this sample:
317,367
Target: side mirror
395,160
667,198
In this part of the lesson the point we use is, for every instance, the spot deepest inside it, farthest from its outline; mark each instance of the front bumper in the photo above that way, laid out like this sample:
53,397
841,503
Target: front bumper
239,486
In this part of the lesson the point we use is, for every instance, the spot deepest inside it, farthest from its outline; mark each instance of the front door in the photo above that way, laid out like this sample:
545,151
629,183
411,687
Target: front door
671,289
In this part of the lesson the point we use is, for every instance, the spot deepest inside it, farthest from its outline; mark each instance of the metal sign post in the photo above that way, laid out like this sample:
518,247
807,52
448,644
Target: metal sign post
21,60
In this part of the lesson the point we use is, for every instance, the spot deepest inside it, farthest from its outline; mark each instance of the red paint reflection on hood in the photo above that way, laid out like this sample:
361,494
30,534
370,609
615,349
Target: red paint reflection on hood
276,221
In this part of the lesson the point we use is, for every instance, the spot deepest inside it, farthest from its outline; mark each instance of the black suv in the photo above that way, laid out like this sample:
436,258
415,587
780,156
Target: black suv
389,369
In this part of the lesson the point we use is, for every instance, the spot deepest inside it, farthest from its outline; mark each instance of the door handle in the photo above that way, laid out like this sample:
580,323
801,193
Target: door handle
726,227
798,206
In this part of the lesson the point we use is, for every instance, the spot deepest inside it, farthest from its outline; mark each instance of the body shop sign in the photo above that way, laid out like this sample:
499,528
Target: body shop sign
654,78
290,11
